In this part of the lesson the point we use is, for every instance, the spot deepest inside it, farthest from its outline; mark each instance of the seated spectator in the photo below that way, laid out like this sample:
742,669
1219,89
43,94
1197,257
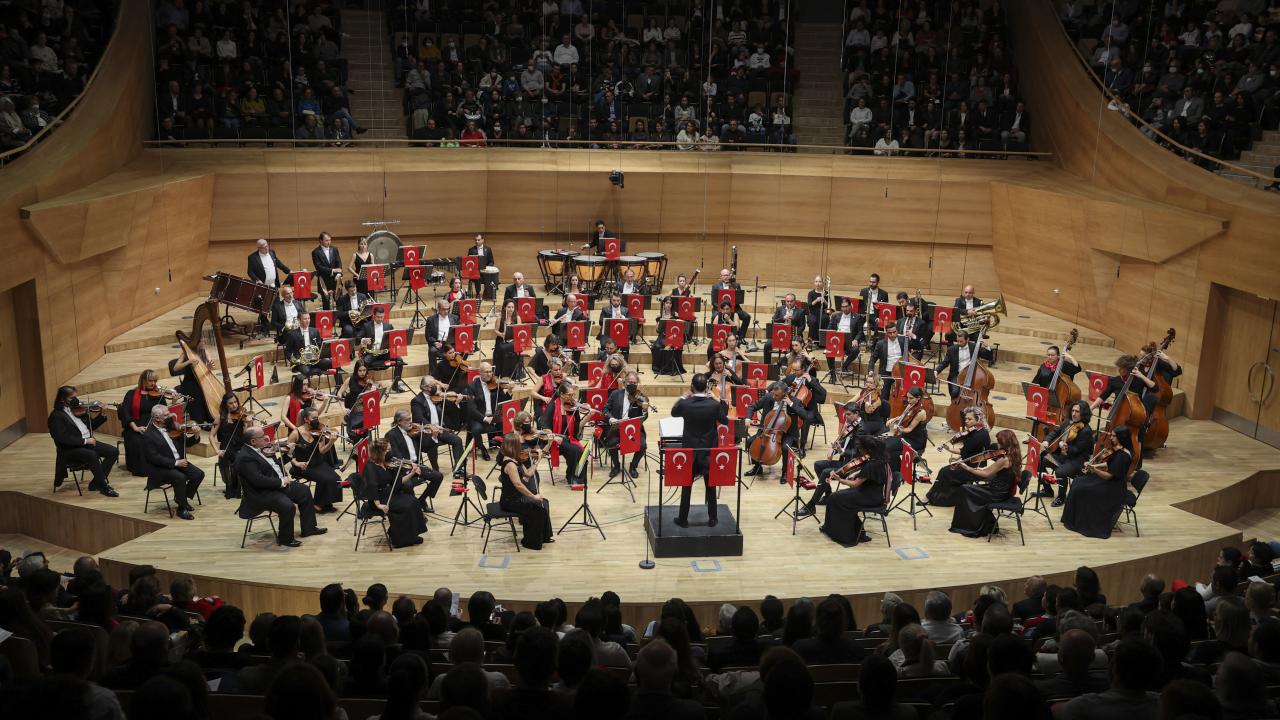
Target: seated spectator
1231,626
591,619
72,653
1260,598
222,631
182,592
310,128
332,616
1075,676
1134,668
299,692
829,645
148,655
145,600
1012,697
1046,658
937,619
33,117
337,106
1166,633
601,694
1222,585
1189,607
1259,561
406,683
918,654
480,608
576,657
367,668
468,647
1240,688
283,643
1188,699
13,133
877,682
655,670
531,699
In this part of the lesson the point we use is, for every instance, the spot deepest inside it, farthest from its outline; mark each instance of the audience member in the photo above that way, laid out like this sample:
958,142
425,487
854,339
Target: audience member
1135,671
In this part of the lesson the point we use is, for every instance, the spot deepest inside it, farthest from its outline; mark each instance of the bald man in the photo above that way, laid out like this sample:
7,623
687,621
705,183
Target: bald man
267,489
265,267
483,415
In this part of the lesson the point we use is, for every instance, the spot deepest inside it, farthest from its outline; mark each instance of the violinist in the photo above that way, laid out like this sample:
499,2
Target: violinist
865,488
1052,356
484,421
563,417
817,304
911,427
71,426
961,353
302,339
135,414
968,443
184,367
518,469
786,314
313,459
914,328
358,383
349,302
613,311
615,366
682,288
385,489
885,356
438,327
972,516
875,410
778,398
550,351
456,291
402,439
624,404
545,390
1068,447
372,337
167,459
729,282
846,321
452,368
702,415
1097,497
266,488
427,408
530,435
300,397
720,379
843,450
228,436
285,310
669,360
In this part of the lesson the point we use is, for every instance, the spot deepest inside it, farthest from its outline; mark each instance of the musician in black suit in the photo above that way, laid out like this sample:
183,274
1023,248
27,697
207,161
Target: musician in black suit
702,414
613,311
427,412
727,282
1052,356
285,310
167,460
71,425
373,337
872,294
800,372
438,327
265,267
485,253
483,419
966,305
571,311
626,403
630,286
885,356
349,300
266,488
959,356
518,288
850,323
917,332
777,397
301,338
596,244
787,314
328,263
403,441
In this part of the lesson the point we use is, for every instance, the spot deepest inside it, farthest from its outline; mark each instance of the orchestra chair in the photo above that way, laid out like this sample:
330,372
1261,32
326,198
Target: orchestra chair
881,513
495,515
250,519
819,424
366,513
1012,507
1129,508
76,473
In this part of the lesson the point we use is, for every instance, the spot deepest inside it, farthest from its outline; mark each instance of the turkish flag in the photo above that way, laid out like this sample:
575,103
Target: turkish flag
302,284
677,467
259,372
376,277
177,411
886,314
620,330
468,310
629,432
469,267
1032,462
724,467
744,397
521,337
635,306
834,344
340,353
612,248
594,370
386,310
686,308
412,255
942,320
575,334
673,338
464,339
371,404
362,454
595,398
728,295
780,337
724,436
1037,401
757,375
417,278
913,376
840,416
719,336
508,411
908,464
527,310
398,343
323,322
789,461
269,431
1097,384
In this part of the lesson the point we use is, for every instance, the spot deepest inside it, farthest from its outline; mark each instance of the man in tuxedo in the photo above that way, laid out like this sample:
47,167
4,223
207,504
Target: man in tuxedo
777,397
702,414
285,311
328,263
728,283
301,338
167,463
623,405
872,294
960,356
404,444
483,420
438,326
850,323
885,356
485,253
351,299
518,289
915,330
787,314
596,245
571,311
373,337
612,311
72,432
966,305
630,286
267,489
426,412
265,267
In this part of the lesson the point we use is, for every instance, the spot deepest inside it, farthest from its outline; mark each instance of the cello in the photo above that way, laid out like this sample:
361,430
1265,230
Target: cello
898,398
975,389
1158,427
766,448
1063,390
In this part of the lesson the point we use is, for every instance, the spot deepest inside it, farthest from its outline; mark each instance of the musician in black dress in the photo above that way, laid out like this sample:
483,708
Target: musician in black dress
626,403
429,413
843,451
134,412
388,490
728,282
724,316
1052,356
976,440
266,488
562,417
702,415
910,428
720,379
404,443
870,487
669,360
1068,447
328,263
850,323
228,435
972,516
71,427
960,355
787,314
313,457
358,383
778,398
166,458
505,361
349,302
517,471
1097,497
485,253
196,409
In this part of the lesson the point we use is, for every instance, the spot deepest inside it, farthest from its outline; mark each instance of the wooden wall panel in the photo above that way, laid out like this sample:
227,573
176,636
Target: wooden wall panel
12,407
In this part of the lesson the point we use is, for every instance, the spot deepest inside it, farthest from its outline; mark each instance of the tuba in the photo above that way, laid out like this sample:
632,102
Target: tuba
986,314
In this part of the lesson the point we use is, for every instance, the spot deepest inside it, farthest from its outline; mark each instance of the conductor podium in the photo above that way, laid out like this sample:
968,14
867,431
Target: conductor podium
697,540
676,467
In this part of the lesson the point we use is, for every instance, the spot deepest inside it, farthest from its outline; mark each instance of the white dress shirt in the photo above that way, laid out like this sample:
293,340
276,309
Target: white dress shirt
268,268
274,466
377,335
409,443
894,353
442,330
84,429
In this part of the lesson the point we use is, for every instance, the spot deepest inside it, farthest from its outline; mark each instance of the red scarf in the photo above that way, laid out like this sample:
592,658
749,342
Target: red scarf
295,406
561,424
135,406
1051,365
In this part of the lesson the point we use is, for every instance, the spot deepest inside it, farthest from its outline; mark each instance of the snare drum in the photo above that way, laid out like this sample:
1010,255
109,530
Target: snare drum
590,268
489,281
655,269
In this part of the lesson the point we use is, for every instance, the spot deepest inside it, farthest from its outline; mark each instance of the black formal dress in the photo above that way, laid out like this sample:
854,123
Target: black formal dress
843,524
972,517
357,262
403,513
669,362
947,483
136,408
197,410
1067,463
535,516
319,470
701,417
1094,504
230,435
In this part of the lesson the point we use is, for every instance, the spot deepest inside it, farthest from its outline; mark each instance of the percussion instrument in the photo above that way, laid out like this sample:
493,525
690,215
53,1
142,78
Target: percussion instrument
241,293
553,264
489,280
635,264
384,246
591,270
655,269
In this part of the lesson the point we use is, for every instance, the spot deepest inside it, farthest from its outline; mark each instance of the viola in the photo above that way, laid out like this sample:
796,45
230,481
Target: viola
852,466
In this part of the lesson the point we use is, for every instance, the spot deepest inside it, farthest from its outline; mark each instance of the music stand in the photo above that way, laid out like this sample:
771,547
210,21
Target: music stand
1053,405
832,375
588,518
915,505
248,387
364,275
793,506
670,366
467,506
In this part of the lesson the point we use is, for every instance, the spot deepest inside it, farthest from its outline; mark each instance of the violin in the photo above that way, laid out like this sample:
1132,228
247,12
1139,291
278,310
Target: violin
166,393
983,456
93,406
852,466
913,408
188,428
1100,458
848,429
450,395
1068,435
459,362
496,382
957,438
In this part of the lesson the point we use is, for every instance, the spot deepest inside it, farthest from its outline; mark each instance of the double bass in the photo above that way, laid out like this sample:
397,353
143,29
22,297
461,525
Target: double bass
766,448
1158,427
975,389
1129,412
1062,389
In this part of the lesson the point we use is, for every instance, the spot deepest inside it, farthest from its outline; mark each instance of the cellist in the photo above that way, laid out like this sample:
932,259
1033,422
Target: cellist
1052,356
777,399
960,355
1068,447
800,375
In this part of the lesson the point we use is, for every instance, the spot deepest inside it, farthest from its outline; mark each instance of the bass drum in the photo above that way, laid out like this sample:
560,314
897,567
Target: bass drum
489,278
384,246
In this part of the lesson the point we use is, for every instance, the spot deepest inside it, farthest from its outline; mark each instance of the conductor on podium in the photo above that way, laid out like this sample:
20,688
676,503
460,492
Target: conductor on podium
701,413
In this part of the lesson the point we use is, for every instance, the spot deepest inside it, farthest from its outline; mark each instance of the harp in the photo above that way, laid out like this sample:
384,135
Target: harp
194,345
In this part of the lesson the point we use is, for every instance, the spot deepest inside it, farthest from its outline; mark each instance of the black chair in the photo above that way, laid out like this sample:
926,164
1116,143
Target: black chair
1011,507
494,514
248,524
146,504
76,473
366,513
1129,509
881,513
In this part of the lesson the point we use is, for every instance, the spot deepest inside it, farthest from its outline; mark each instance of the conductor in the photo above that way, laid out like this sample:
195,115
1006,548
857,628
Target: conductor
701,414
